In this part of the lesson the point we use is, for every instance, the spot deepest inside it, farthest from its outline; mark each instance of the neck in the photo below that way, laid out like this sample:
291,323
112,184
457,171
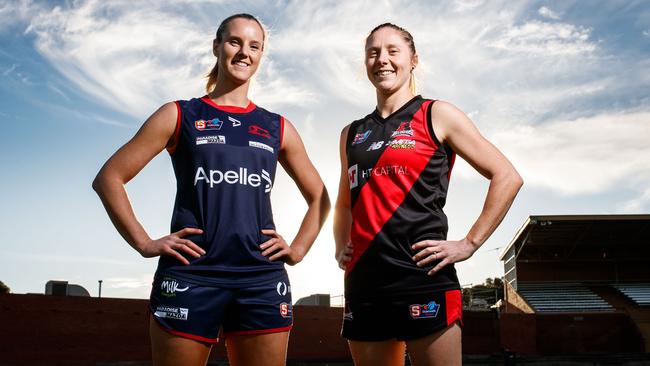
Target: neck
388,103
229,93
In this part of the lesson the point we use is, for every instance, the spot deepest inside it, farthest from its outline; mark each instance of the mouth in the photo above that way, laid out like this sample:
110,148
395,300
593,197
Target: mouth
240,64
384,73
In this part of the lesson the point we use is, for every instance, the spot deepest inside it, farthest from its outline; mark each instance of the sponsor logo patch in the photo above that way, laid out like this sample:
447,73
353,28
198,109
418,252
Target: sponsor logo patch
211,124
429,310
242,176
171,312
404,129
385,170
235,122
286,310
282,288
259,131
260,145
361,137
402,144
216,139
353,176
375,145
169,287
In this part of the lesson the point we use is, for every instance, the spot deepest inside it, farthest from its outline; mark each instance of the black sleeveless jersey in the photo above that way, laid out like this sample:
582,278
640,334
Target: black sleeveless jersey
398,173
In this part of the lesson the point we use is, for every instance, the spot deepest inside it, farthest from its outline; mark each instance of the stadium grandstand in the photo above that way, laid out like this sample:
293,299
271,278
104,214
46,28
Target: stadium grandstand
581,264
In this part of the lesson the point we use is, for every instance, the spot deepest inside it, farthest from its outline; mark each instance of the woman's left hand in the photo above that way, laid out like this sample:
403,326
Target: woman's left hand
279,249
445,251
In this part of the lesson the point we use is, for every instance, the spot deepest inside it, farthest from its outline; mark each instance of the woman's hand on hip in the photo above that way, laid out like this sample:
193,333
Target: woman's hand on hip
173,244
344,255
444,251
277,248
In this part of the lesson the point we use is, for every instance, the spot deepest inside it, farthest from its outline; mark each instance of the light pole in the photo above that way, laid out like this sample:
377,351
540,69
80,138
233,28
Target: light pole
100,288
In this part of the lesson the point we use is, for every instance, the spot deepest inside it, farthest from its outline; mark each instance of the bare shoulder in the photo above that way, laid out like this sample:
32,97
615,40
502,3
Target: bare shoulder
447,119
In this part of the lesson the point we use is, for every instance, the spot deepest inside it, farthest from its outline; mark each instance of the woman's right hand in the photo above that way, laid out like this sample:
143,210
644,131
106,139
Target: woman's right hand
344,255
173,244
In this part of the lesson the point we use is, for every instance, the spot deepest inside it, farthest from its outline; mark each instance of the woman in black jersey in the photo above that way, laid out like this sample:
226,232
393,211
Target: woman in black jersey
224,151
401,287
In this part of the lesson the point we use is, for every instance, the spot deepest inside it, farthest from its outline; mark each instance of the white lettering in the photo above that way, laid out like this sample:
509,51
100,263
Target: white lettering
215,177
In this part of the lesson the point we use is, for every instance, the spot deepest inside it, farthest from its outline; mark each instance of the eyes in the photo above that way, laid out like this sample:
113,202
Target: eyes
254,46
374,52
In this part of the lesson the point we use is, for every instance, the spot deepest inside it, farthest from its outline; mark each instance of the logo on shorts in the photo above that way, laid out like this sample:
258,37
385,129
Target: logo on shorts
169,287
171,312
286,310
211,124
282,288
347,313
429,310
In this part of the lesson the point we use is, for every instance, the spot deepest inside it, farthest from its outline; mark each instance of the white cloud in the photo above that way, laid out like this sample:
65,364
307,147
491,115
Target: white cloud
640,204
546,39
582,156
548,13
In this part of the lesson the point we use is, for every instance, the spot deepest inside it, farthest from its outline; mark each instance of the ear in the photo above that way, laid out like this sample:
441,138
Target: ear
414,61
215,46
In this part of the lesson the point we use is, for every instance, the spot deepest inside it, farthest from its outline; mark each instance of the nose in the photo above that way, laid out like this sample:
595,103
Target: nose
382,57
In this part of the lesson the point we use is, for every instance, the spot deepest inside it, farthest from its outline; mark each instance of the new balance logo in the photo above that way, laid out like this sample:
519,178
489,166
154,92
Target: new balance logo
375,145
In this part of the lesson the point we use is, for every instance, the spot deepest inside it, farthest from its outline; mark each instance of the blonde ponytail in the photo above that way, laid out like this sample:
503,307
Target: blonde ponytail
212,78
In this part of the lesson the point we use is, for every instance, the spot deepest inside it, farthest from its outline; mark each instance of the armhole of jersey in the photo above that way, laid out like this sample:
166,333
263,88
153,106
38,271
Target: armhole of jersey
429,127
177,131
281,130
451,154
348,139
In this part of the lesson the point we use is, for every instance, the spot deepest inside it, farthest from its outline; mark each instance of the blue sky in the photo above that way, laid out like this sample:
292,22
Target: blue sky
561,87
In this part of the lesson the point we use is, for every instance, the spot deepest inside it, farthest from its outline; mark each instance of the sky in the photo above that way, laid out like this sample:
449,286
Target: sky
562,88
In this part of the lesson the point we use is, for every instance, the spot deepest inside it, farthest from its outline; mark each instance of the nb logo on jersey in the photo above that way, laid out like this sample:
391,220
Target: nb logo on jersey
353,176
215,177
375,145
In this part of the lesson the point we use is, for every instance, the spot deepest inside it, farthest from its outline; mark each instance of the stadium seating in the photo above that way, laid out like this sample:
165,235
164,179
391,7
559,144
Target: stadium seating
637,292
558,297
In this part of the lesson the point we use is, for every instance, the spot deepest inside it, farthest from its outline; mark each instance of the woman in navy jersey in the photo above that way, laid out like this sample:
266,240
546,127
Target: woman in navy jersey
222,266
401,287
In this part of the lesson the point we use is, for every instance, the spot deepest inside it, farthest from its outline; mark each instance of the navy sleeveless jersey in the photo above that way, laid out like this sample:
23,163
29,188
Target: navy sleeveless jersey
398,173
224,159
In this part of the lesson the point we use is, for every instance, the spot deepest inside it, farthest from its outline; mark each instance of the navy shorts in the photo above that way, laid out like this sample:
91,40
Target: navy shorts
402,318
199,312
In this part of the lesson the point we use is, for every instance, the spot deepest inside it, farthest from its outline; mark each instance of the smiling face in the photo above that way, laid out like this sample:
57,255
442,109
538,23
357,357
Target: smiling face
389,60
239,50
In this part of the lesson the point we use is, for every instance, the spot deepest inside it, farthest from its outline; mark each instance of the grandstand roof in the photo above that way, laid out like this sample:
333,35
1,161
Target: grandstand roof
582,237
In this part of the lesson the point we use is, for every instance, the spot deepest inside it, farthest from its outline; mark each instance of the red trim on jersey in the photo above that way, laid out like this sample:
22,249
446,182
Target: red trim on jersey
259,331
281,130
186,335
229,108
454,306
172,148
372,210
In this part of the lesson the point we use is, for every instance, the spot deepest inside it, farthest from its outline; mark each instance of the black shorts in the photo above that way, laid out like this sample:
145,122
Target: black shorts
402,318
198,312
